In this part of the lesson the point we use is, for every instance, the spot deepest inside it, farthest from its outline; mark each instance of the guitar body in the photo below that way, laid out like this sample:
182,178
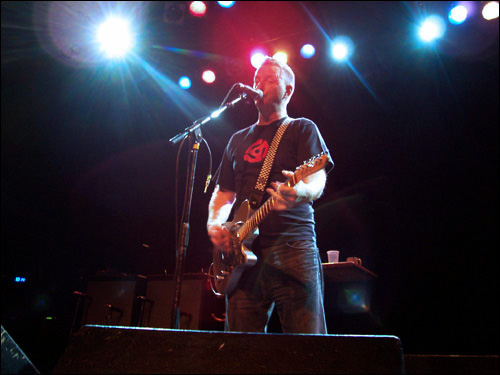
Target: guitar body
228,267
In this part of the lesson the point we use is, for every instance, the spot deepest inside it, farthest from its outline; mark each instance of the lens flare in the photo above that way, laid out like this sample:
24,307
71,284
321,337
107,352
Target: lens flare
115,37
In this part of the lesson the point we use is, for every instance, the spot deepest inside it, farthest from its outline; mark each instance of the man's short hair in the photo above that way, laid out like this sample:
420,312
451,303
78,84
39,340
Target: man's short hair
285,71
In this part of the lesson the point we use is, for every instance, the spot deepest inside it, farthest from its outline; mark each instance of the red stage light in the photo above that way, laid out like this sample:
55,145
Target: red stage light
208,76
197,8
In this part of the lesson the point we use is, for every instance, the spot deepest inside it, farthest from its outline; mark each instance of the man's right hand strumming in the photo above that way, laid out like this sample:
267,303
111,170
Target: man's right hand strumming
218,212
219,236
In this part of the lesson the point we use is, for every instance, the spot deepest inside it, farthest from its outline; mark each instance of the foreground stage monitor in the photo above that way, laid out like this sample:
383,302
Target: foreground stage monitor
119,350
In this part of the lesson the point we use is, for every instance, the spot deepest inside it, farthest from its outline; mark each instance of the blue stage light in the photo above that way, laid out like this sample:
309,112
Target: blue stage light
184,82
307,51
226,4
432,28
342,48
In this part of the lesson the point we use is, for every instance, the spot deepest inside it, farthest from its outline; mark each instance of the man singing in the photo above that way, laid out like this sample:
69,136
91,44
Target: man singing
288,273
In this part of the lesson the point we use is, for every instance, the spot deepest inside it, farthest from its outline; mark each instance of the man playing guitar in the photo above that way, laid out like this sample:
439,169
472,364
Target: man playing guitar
288,272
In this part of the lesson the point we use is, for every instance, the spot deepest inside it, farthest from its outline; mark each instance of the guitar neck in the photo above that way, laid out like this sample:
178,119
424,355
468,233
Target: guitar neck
260,214
309,167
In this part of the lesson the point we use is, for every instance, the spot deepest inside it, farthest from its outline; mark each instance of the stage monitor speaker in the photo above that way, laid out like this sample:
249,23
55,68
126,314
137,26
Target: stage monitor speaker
14,361
199,308
120,350
113,300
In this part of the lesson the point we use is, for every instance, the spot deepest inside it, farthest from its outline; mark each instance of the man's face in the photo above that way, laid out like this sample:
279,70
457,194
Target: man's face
268,79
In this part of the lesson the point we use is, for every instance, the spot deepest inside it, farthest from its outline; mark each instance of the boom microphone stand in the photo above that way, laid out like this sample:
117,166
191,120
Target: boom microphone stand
193,133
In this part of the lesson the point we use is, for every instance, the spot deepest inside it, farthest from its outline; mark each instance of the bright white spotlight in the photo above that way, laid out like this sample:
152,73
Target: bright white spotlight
115,37
342,48
490,10
432,28
257,59
339,51
281,56
457,14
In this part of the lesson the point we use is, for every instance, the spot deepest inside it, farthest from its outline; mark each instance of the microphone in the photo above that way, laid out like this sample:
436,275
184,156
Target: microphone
251,92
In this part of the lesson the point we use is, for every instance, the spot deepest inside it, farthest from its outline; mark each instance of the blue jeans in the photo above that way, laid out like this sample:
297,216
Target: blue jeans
288,277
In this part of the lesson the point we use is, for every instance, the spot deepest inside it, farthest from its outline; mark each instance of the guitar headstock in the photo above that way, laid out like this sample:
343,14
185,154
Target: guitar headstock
310,166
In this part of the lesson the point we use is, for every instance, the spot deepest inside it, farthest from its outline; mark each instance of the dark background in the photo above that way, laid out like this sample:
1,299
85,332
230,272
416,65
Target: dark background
88,173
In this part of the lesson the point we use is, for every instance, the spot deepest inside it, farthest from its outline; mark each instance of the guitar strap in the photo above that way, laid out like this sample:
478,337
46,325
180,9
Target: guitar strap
260,185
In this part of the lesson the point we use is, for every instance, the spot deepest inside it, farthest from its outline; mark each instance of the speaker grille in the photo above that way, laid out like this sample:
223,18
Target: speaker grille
112,350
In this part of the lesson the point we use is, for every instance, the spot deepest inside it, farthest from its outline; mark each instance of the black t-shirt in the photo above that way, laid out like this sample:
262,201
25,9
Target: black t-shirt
241,164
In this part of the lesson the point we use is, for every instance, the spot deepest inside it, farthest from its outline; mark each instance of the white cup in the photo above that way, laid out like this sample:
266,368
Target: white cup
333,256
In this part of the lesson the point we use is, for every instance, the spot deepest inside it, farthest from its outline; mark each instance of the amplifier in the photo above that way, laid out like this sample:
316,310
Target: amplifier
199,307
114,300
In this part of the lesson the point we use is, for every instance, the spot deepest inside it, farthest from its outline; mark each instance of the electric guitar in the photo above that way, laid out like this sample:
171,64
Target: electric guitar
227,267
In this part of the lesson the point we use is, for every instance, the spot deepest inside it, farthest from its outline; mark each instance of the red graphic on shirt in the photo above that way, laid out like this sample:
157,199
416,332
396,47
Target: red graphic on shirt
256,152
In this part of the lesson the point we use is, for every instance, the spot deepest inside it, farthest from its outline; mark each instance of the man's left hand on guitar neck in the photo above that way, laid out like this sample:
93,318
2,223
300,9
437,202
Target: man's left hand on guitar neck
306,190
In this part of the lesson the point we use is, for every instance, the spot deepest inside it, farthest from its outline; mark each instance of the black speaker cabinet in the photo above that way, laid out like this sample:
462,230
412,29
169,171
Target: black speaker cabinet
113,300
199,308
120,350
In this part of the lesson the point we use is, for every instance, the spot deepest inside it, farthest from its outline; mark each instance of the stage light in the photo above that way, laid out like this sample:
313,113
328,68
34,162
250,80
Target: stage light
457,14
339,51
184,82
115,37
432,28
281,56
257,59
226,4
307,51
197,8
342,48
174,12
208,76
490,10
